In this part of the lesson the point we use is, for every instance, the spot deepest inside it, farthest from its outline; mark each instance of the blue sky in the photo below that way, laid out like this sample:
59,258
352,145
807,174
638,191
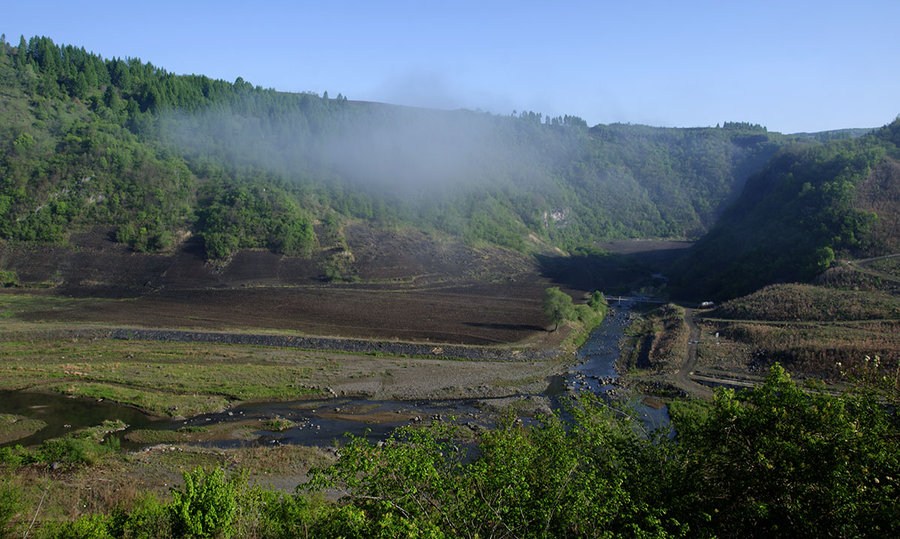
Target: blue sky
789,65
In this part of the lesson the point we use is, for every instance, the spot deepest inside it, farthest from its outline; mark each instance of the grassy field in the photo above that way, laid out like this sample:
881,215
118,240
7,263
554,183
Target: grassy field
807,303
828,351
162,378
184,379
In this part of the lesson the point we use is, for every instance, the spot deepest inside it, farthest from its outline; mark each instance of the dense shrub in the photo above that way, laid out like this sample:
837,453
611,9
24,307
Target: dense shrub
206,505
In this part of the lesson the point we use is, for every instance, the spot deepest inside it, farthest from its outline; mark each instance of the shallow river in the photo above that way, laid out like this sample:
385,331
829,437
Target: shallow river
326,422
596,370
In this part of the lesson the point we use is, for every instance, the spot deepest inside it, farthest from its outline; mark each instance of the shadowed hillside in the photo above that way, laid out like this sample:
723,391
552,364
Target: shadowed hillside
806,208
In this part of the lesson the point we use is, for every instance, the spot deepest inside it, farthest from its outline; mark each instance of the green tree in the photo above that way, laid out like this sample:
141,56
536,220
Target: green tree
558,306
79,86
595,477
111,98
783,461
598,302
21,51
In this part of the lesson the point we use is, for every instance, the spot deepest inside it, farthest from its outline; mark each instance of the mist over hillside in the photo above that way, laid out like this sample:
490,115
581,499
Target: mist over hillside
159,158
483,177
393,151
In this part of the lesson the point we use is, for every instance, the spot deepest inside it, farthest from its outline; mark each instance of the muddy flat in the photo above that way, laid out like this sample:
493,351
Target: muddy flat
462,315
627,247
407,286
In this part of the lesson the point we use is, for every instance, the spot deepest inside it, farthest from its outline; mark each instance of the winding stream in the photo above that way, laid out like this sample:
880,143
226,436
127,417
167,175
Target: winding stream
596,370
326,422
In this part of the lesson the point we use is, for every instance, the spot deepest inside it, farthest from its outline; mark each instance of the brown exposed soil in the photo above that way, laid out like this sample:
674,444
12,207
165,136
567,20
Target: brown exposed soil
412,287
463,315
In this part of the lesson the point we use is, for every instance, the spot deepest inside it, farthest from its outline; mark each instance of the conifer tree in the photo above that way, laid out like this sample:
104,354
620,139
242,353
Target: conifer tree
21,53
111,98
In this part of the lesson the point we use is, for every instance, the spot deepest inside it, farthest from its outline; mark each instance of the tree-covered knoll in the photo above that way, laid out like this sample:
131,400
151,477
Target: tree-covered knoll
88,141
836,134
239,216
63,164
77,151
794,217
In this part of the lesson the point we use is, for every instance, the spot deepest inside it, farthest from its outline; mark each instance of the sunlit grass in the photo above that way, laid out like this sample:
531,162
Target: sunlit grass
163,378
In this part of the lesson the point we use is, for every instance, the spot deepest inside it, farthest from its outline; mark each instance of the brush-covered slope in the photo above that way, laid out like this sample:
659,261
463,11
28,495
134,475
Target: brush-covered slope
808,206
87,141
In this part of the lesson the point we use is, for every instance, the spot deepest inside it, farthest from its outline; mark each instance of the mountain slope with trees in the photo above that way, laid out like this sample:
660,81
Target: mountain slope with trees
807,206
88,141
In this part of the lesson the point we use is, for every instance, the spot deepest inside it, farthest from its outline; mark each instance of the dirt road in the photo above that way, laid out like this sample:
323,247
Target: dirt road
683,377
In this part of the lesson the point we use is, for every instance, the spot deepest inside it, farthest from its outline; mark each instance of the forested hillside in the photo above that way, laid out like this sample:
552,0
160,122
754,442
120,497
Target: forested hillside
158,158
807,206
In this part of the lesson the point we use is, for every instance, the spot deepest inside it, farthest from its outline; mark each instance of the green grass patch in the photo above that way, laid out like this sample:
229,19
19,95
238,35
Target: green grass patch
689,409
227,430
14,427
184,458
156,402
286,459
193,428
278,424
163,378
154,436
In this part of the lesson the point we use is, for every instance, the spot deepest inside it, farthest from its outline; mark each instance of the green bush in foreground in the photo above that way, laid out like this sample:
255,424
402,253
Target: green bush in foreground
206,505
776,460
783,461
10,503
